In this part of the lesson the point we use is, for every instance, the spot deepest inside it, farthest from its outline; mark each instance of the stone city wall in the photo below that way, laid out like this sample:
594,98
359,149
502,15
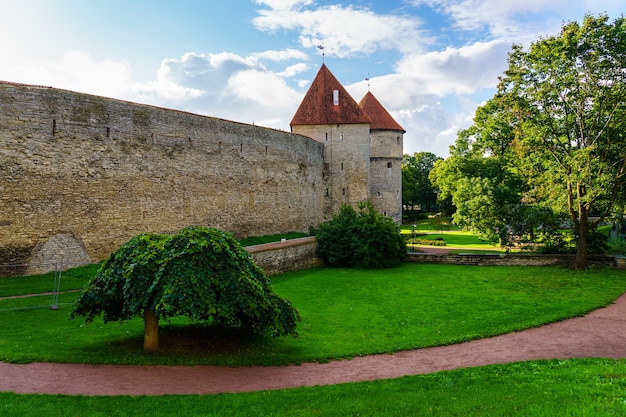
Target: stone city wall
81,174
618,262
290,255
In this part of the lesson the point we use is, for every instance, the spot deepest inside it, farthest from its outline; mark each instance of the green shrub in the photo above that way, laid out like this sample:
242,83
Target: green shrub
597,242
435,242
361,239
616,246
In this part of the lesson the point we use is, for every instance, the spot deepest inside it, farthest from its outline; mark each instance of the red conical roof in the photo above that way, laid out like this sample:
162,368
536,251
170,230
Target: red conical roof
327,102
381,119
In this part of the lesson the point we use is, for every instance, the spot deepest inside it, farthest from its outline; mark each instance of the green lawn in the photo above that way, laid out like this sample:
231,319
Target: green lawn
345,313
453,237
585,387
348,313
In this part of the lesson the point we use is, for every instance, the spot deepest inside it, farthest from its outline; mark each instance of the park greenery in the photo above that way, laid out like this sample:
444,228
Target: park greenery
346,313
201,273
360,238
552,388
548,148
418,193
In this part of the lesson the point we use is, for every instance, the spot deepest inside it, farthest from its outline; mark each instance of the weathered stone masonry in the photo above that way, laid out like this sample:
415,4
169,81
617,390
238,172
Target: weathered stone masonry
81,174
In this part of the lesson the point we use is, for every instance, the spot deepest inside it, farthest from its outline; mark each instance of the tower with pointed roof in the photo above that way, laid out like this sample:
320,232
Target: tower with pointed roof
362,146
386,150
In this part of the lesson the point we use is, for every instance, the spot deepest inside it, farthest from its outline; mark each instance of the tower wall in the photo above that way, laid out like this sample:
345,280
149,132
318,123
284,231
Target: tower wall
346,163
386,172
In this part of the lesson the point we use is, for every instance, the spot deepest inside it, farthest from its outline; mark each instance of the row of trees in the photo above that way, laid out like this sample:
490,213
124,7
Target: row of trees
551,144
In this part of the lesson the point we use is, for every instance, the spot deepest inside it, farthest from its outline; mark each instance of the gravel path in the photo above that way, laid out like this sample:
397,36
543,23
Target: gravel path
601,333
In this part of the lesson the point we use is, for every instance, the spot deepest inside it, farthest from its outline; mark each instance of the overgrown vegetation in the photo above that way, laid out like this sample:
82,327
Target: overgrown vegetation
361,238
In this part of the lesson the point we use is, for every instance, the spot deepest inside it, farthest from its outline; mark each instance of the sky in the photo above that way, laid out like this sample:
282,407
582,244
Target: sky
431,63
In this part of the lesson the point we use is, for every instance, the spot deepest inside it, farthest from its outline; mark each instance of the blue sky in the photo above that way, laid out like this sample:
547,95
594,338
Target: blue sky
430,62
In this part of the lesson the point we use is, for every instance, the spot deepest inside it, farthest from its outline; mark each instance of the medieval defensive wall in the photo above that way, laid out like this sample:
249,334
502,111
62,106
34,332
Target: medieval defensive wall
82,174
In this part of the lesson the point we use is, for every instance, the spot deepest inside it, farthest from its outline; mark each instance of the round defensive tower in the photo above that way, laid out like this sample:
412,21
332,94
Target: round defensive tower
386,150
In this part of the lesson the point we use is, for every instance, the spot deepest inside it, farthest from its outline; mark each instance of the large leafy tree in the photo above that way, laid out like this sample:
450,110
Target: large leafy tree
201,273
485,188
567,94
417,189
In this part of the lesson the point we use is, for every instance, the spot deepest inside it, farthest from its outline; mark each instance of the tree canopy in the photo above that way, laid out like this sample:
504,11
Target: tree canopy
568,94
201,273
417,189
557,123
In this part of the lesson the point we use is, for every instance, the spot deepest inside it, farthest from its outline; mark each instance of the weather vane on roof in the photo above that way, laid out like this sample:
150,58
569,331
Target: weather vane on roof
322,47
368,81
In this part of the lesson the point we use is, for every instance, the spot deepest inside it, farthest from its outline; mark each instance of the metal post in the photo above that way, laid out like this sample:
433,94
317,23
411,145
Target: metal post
57,286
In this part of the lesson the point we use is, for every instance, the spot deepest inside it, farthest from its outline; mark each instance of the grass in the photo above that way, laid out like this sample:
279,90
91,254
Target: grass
582,387
259,240
346,313
35,284
453,236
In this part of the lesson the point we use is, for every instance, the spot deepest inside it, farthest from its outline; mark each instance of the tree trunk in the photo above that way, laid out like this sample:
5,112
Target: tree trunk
580,262
151,331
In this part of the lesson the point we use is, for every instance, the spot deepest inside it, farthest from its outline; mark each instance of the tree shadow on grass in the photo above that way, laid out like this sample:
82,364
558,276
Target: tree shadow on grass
193,344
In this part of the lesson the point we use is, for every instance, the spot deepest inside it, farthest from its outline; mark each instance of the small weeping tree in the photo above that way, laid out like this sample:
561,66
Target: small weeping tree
201,273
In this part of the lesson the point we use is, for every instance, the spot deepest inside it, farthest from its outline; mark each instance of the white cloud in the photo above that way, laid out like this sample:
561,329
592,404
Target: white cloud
412,94
76,70
228,86
344,30
285,55
284,4
293,70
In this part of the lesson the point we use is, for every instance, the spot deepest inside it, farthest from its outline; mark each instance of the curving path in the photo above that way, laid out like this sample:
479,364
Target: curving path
601,333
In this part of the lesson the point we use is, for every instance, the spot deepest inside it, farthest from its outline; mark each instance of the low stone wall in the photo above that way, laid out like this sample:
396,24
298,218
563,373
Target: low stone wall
510,259
296,254
289,255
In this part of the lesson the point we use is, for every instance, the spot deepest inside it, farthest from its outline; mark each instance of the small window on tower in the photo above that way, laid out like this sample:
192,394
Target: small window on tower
343,191
341,136
342,166
388,164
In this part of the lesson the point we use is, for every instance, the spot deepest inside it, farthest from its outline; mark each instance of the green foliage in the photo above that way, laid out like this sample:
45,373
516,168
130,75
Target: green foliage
616,245
485,192
552,138
568,96
597,242
417,189
361,239
200,273
558,242
428,242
